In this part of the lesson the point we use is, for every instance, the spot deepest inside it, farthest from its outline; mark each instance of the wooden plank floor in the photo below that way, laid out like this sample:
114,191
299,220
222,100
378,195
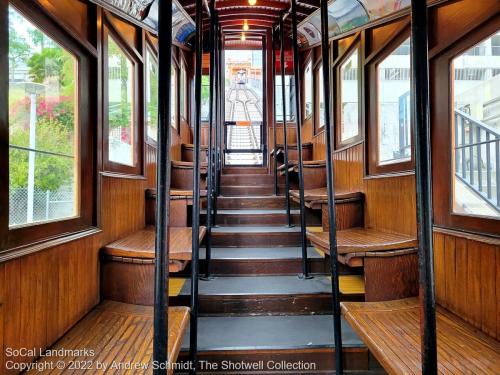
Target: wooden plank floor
114,333
391,331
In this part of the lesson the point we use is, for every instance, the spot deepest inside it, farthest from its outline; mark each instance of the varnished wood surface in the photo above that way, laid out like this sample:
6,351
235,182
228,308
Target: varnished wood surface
319,195
141,244
467,279
391,330
362,240
175,194
189,165
119,333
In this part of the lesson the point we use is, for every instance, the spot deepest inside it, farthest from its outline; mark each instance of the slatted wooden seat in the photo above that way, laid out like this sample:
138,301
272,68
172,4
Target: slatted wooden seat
182,175
392,333
127,265
187,152
307,151
315,198
389,260
117,333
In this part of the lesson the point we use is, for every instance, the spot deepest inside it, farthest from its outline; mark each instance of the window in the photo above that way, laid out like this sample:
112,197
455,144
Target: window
349,97
151,95
182,91
476,131
173,96
43,126
393,107
205,98
120,108
289,98
321,97
308,85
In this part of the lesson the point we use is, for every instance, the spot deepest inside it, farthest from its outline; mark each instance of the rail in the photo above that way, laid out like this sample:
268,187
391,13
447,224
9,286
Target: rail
477,158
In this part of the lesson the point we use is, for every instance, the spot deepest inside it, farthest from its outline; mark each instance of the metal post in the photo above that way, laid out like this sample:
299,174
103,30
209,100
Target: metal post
330,187
208,246
423,174
221,108
285,138
160,342
273,37
298,114
217,120
196,191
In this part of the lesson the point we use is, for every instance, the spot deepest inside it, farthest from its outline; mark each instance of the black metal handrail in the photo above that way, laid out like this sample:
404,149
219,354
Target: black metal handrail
477,155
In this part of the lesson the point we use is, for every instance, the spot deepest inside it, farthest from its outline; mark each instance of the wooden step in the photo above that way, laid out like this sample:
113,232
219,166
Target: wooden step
231,261
247,179
272,340
246,190
263,295
116,333
241,236
255,217
245,170
251,202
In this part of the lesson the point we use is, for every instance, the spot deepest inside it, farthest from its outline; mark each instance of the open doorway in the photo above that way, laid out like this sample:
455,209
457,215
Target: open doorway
243,107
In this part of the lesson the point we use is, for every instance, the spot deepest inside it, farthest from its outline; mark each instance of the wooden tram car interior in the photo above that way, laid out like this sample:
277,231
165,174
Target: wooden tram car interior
262,186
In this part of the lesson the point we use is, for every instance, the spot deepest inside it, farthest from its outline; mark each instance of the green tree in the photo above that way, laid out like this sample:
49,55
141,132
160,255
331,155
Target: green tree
19,49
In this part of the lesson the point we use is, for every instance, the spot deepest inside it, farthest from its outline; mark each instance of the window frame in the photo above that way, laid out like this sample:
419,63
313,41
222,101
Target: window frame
441,107
308,63
149,47
317,92
175,92
372,85
183,114
86,77
138,115
355,45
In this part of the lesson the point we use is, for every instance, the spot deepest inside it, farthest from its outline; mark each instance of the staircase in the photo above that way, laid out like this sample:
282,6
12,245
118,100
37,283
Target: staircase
256,315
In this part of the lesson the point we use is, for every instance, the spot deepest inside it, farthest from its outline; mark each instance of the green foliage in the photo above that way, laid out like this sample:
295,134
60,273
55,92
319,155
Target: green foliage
51,63
51,172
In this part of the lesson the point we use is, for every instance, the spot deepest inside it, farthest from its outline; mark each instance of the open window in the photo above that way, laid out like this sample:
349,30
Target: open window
466,144
390,131
289,98
49,137
320,106
308,90
183,91
151,96
122,135
348,104
174,115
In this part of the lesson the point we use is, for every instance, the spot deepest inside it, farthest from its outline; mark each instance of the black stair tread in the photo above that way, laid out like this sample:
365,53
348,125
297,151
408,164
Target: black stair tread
269,332
259,253
261,285
238,211
256,229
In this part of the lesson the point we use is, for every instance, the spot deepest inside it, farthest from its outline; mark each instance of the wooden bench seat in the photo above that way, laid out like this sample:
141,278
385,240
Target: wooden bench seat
314,172
389,260
391,330
315,198
182,175
120,333
307,151
127,265
187,152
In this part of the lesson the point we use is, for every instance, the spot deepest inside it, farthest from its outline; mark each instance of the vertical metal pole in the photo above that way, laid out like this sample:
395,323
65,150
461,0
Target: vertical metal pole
221,94
298,114
193,343
208,247
330,187
423,174
273,37
217,120
285,138
160,342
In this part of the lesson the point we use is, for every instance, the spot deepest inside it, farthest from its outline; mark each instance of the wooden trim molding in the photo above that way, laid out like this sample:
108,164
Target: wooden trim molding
490,240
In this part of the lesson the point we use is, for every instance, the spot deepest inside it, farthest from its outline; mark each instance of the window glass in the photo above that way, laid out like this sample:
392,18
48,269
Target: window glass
120,106
182,91
349,94
308,82
173,96
151,95
321,96
476,130
43,126
205,98
289,97
394,125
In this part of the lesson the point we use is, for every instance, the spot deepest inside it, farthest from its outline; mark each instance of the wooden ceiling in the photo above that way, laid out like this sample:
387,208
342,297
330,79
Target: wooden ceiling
260,17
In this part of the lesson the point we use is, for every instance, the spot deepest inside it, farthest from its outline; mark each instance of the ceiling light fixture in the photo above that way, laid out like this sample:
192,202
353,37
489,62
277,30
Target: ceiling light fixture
252,2
243,37
245,26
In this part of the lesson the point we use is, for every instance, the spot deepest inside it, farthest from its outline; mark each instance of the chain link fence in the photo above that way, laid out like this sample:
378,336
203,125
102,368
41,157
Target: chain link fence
47,205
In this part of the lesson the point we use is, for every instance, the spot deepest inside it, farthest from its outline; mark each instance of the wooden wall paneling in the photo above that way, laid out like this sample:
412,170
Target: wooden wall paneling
73,14
307,130
2,301
390,204
127,31
379,36
439,275
122,206
460,275
497,288
349,168
319,146
150,165
12,306
489,297
473,285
